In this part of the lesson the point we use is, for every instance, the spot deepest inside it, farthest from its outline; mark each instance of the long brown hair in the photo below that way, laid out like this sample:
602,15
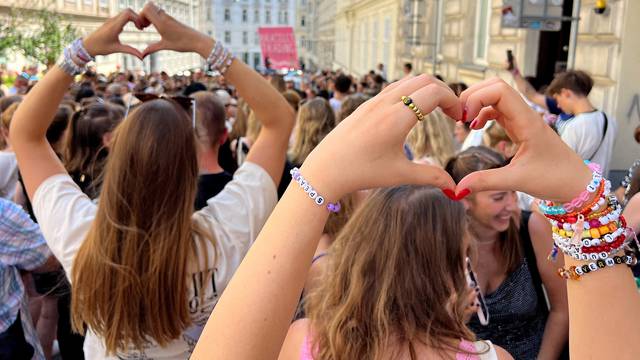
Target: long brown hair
315,120
394,276
477,158
130,273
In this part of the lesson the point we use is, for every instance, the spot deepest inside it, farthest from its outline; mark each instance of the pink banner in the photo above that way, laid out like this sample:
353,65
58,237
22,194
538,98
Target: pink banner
278,45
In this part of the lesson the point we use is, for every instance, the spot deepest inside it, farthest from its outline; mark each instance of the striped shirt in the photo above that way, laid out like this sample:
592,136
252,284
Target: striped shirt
22,247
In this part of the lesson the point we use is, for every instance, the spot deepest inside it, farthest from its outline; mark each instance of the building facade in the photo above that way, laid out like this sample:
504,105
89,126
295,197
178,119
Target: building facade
237,23
471,46
88,15
367,34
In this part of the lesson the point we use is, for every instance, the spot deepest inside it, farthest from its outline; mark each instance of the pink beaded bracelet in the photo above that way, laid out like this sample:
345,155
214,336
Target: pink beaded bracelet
313,194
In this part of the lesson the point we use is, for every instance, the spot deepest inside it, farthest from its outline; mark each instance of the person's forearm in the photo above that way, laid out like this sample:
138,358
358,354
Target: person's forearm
603,302
36,112
270,107
523,85
556,334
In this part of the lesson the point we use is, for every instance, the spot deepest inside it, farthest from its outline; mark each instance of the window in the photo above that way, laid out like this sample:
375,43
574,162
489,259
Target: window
245,57
256,60
256,16
256,39
245,16
245,38
87,2
104,4
227,15
481,43
286,17
267,17
122,4
302,21
227,37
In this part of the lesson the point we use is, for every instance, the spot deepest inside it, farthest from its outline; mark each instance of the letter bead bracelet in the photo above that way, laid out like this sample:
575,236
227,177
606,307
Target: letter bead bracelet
75,58
313,194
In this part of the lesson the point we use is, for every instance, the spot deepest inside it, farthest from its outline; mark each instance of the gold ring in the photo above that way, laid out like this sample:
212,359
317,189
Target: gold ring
408,102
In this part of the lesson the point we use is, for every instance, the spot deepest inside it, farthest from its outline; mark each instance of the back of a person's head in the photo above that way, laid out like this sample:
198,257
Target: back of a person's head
130,273
432,137
239,127
293,99
350,104
277,81
495,134
578,81
193,88
315,120
210,118
7,115
343,84
84,92
408,67
396,271
56,131
6,101
458,87
83,151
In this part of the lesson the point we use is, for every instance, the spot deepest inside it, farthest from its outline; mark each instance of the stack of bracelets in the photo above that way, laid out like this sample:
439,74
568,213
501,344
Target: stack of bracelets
593,230
75,58
220,58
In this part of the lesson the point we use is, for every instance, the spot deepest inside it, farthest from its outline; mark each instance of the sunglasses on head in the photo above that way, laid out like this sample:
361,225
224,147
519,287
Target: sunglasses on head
186,103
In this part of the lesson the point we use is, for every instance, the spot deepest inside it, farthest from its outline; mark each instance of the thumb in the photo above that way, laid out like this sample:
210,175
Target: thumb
423,174
487,180
153,47
129,50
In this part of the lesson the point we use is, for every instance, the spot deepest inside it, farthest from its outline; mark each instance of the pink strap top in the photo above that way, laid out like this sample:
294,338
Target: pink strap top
465,346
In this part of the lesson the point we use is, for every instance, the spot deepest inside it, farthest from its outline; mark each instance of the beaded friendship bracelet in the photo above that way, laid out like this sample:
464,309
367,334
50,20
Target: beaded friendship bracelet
220,58
575,272
74,58
313,194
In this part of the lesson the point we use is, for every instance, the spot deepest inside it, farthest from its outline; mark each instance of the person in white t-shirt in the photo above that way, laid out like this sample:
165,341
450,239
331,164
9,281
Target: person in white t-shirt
589,132
146,271
8,162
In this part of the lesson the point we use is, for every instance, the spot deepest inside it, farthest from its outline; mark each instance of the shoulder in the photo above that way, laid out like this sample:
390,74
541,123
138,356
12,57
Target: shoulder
295,345
502,354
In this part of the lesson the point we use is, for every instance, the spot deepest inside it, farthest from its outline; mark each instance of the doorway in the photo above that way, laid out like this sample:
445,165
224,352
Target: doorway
553,49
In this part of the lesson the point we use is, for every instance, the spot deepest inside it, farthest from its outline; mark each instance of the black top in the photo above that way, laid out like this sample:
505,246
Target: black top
517,310
209,185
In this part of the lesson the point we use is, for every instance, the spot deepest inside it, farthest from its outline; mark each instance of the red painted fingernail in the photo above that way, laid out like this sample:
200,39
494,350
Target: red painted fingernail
449,193
463,194
464,114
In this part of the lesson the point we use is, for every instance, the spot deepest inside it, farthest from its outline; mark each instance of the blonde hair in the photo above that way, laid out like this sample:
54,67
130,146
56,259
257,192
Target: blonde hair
432,137
129,276
395,273
494,134
315,120
253,127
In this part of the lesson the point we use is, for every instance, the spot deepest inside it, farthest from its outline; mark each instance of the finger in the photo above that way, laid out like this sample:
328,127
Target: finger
427,99
421,174
485,115
505,100
395,84
153,47
127,15
129,50
152,13
501,179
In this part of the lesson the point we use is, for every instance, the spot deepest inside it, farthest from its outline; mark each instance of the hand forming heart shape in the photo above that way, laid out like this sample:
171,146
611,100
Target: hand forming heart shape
382,124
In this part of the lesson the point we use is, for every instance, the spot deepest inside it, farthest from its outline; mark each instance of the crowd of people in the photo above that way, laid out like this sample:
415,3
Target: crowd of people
237,215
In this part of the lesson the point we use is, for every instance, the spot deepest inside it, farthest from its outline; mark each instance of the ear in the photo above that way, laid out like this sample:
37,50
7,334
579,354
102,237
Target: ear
106,139
566,93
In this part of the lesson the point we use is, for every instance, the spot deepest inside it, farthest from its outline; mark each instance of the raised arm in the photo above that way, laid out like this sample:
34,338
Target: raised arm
253,315
36,158
537,170
527,89
271,108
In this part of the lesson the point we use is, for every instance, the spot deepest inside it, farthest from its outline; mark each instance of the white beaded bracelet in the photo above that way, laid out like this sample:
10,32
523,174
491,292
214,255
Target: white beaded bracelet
313,194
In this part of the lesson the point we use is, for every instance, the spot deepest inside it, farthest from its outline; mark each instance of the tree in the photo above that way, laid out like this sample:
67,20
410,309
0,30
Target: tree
45,41
9,38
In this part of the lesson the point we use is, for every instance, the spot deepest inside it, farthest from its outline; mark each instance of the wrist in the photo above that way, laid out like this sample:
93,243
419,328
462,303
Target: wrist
204,45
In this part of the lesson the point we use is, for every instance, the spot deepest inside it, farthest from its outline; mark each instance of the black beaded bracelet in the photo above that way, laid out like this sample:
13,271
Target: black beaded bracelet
575,272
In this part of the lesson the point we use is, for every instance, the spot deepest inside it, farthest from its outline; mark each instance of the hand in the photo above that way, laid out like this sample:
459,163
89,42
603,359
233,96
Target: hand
474,304
105,41
544,166
175,35
366,149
